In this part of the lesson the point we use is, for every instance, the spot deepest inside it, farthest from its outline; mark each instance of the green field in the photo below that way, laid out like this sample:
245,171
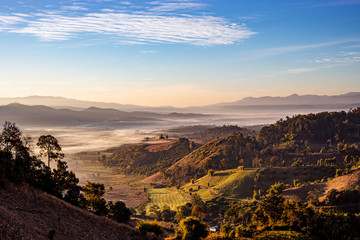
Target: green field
165,197
229,183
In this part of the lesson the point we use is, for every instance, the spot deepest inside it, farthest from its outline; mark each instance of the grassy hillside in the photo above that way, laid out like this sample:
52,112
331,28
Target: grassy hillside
148,158
240,184
219,154
27,213
229,183
321,189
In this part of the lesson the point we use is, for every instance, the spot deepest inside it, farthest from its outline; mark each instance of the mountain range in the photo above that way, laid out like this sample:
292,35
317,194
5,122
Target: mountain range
59,111
347,100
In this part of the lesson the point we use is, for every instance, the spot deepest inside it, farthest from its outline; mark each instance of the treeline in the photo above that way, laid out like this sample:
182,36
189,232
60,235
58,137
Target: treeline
18,164
220,132
325,127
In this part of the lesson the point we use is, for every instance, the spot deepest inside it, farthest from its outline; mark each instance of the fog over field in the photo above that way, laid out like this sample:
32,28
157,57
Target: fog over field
74,139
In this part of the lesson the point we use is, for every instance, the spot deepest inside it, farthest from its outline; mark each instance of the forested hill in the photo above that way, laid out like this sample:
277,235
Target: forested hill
325,127
302,139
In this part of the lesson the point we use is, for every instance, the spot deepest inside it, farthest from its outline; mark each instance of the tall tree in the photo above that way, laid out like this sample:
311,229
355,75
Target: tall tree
95,202
50,148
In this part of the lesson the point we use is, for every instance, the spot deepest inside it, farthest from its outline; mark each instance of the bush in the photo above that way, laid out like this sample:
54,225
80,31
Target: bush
150,227
242,231
192,229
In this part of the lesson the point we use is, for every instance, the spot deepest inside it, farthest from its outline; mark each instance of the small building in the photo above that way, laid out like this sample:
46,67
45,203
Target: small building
214,229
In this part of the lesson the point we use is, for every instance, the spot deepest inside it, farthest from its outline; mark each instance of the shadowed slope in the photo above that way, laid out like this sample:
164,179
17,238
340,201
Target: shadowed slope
27,213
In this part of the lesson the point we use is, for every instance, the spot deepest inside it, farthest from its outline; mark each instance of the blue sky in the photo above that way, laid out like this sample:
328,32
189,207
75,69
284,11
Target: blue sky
178,52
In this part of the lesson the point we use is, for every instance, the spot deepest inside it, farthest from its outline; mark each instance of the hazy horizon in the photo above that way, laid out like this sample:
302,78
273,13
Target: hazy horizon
178,52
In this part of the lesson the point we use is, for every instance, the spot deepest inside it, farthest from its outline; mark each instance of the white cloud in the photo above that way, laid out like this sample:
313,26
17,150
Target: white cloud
9,20
173,6
149,51
74,8
134,28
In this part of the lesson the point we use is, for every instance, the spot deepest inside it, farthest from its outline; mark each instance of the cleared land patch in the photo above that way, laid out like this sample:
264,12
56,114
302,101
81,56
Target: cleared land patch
165,197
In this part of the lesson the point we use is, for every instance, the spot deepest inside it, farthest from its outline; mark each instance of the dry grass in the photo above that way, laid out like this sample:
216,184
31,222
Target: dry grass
26,213
155,178
346,182
160,146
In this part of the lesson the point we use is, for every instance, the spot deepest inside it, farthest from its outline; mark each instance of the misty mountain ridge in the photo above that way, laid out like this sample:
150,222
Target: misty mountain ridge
93,116
341,100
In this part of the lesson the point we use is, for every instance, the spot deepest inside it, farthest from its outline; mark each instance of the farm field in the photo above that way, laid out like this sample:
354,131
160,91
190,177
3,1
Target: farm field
118,186
165,197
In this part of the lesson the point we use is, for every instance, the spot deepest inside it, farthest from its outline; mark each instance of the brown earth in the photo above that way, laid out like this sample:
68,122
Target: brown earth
27,213
155,178
132,197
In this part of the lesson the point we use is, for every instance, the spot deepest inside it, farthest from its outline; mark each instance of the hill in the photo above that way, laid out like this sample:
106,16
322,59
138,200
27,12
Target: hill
234,183
149,158
27,213
295,99
40,115
218,154
341,183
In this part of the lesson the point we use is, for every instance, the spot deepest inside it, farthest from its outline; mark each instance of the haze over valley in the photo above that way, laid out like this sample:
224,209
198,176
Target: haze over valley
83,125
180,120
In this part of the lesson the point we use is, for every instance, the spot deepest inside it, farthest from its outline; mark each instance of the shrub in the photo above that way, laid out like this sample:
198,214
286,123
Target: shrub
150,227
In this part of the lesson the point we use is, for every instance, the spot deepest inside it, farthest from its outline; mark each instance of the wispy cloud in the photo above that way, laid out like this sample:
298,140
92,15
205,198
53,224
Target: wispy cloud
269,52
173,6
74,8
7,21
300,70
342,58
149,51
131,28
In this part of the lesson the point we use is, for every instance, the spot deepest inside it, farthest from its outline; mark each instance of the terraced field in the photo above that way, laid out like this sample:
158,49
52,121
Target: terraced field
165,197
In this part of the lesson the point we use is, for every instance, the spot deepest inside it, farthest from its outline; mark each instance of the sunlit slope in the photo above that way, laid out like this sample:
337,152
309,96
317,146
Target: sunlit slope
219,154
233,183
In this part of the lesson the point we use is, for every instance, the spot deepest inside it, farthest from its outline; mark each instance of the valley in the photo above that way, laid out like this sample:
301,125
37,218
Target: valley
219,174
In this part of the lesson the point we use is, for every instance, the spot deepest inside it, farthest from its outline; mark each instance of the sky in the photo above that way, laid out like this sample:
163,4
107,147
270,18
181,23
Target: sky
178,52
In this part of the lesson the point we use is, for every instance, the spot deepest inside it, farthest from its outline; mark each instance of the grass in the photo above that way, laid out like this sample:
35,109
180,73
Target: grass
230,183
281,235
165,197
96,168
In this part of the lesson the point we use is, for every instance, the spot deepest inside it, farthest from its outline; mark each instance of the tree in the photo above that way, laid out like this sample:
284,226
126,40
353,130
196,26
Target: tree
50,148
150,227
198,211
119,212
192,229
195,199
66,183
95,202
167,214
155,209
